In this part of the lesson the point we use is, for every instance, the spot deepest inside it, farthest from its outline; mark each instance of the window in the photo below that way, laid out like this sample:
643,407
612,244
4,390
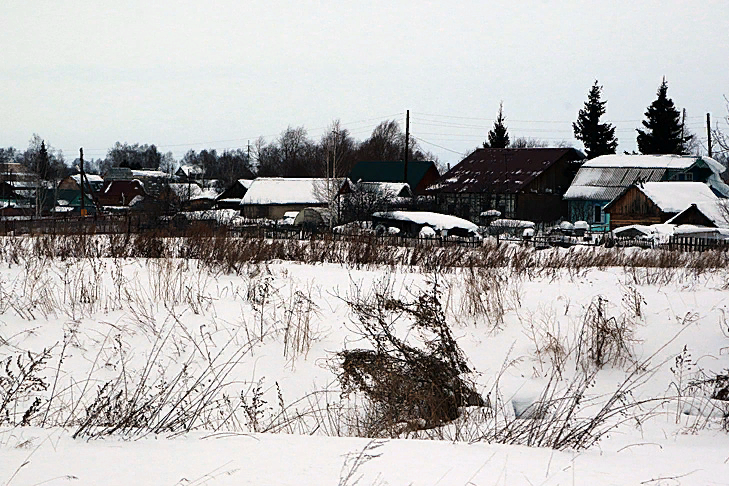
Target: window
597,216
689,176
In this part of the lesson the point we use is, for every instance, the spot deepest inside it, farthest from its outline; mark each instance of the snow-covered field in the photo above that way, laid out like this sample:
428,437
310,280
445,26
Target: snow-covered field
249,362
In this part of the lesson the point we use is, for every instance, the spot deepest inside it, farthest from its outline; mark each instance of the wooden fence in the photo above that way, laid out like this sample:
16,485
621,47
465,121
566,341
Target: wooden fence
689,243
120,224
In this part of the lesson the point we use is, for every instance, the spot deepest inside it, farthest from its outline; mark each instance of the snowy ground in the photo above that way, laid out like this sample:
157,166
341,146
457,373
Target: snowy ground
283,322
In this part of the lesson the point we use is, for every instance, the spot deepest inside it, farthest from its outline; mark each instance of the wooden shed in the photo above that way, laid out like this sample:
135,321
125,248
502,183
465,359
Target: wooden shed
655,202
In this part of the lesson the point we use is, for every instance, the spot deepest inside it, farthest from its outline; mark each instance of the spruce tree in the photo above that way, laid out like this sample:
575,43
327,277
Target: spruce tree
664,132
598,138
43,162
498,136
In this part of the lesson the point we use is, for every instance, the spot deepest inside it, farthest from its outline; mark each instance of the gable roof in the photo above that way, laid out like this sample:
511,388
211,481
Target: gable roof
715,211
184,190
500,171
288,190
387,189
673,197
606,177
391,171
190,170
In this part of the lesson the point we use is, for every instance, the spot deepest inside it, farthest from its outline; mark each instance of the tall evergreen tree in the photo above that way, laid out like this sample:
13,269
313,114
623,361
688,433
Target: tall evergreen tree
43,162
664,132
598,138
499,135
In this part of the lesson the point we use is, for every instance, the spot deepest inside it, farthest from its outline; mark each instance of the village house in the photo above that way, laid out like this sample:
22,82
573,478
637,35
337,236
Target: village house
154,181
711,214
189,196
656,202
231,197
420,173
602,179
271,197
120,194
190,173
94,182
525,184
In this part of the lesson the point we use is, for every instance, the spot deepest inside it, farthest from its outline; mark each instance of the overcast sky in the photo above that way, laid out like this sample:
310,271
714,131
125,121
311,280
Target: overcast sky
215,74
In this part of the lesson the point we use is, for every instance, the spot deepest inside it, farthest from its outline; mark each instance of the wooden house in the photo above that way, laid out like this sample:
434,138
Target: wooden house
231,197
271,197
526,184
713,214
121,193
190,173
94,183
420,173
656,202
602,179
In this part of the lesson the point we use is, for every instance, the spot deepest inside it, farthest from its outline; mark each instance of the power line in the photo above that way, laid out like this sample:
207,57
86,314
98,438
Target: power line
436,145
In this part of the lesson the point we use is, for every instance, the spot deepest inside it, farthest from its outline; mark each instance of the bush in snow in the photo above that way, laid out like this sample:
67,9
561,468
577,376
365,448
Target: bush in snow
409,386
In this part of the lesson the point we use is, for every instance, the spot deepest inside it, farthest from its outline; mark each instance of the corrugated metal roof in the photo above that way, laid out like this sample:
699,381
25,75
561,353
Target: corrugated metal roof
500,171
606,183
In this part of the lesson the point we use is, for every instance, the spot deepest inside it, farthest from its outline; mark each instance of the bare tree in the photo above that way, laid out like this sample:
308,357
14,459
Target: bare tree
721,138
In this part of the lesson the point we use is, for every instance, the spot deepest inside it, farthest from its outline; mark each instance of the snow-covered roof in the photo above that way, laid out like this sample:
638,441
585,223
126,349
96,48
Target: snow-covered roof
245,182
185,190
284,190
642,161
604,178
149,173
387,189
189,170
511,223
436,220
89,177
701,231
717,211
673,197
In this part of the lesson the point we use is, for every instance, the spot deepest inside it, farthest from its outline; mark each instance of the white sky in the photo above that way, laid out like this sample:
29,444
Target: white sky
216,74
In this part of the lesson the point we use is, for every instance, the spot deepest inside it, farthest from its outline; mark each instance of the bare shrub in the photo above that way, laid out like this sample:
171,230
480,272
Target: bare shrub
176,399
21,381
604,339
420,386
484,296
550,345
298,332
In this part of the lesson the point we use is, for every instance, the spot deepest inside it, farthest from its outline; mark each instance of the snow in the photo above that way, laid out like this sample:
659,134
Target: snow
386,189
652,162
676,439
674,197
190,191
150,173
90,177
491,213
581,225
717,211
511,223
282,190
223,216
437,221
426,232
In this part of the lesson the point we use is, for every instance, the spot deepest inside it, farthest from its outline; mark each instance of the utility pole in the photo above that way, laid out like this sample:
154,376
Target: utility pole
81,169
683,125
708,131
407,143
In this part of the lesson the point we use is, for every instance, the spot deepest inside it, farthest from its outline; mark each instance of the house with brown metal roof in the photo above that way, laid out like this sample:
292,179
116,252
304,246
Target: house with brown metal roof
524,183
